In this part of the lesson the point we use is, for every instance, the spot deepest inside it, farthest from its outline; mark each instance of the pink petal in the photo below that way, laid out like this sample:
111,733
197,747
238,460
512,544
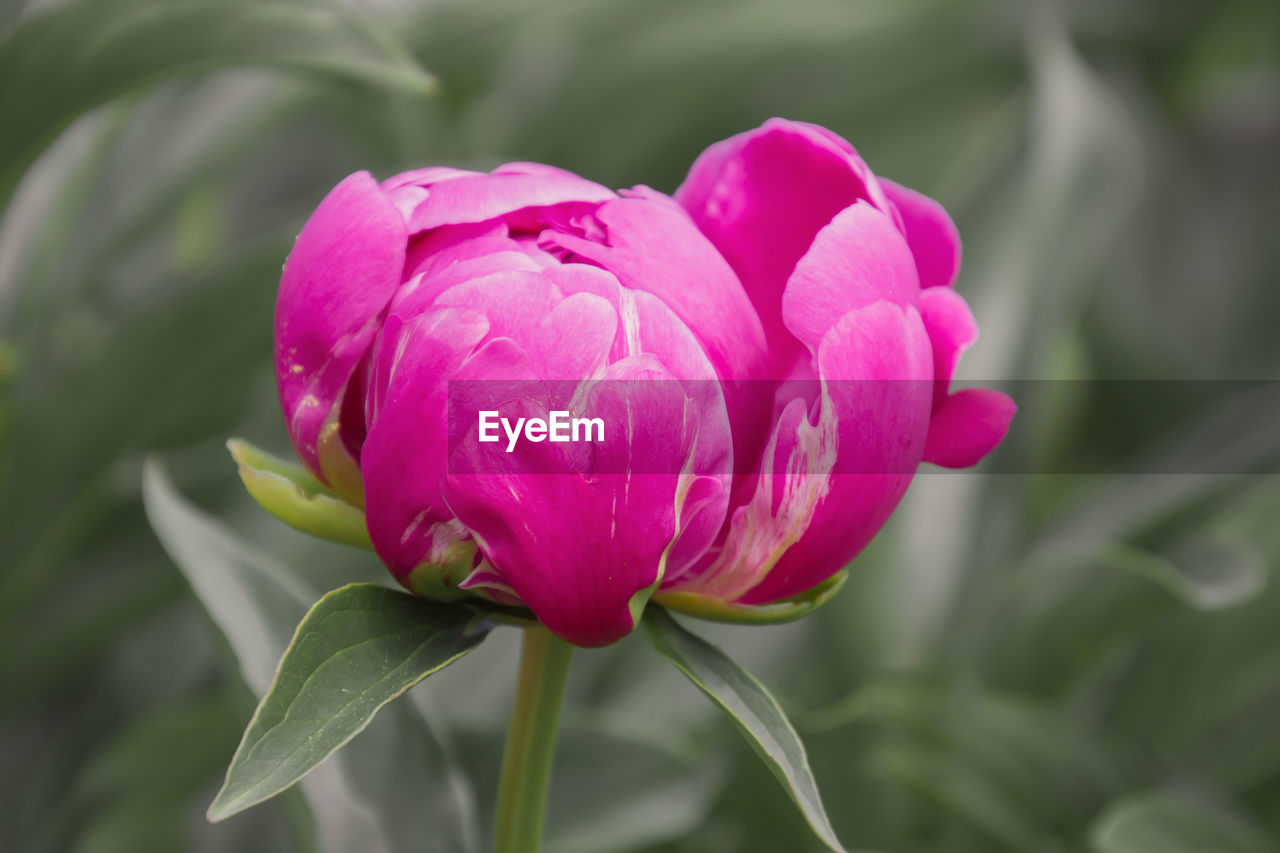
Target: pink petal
425,177
483,197
405,455
932,235
762,196
656,248
580,548
454,255
574,338
876,365
856,260
952,330
513,301
968,426
832,475
342,270
653,248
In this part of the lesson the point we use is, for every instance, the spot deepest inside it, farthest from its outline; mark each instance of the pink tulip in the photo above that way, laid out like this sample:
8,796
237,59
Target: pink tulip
772,350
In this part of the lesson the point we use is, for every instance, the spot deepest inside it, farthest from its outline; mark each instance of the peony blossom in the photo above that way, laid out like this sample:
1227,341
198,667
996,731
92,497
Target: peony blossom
769,351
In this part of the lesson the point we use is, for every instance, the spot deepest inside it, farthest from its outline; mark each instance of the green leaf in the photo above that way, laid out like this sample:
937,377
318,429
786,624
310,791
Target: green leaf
359,799
1161,823
756,713
360,647
291,494
123,45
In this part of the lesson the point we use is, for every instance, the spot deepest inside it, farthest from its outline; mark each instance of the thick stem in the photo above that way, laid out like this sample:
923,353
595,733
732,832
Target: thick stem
531,741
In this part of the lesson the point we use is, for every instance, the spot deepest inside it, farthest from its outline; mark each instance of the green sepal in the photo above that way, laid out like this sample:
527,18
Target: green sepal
293,495
787,610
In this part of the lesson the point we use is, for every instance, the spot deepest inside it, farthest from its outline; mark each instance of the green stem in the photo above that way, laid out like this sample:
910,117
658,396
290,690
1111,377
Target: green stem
531,741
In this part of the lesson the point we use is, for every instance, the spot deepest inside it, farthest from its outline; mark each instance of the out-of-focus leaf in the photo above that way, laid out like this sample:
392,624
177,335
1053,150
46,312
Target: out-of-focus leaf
62,632
360,647
1224,667
1162,823
168,749
67,60
139,786
752,708
959,790
1005,765
614,790
256,602
291,494
1057,623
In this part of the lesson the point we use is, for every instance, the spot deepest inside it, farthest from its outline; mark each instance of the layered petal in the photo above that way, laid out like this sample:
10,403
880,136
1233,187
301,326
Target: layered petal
952,330
655,247
969,424
858,259
467,197
932,235
762,196
875,365
833,470
588,579
343,269
405,455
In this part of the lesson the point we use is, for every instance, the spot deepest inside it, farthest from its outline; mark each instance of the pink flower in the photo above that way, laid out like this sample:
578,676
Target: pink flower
773,346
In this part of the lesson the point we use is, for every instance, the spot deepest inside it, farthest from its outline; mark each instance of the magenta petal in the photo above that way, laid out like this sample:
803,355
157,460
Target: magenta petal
343,269
660,258
952,330
426,177
578,548
405,455
882,417
762,196
859,259
831,476
483,197
968,426
656,248
513,301
574,338
453,256
932,235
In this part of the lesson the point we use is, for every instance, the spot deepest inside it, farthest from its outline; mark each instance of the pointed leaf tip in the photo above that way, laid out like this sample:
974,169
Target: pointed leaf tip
360,647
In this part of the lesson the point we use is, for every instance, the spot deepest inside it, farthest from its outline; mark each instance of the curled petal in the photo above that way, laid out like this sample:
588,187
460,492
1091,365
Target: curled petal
833,471
856,260
932,235
952,330
968,426
762,196
343,269
656,248
478,198
875,365
425,177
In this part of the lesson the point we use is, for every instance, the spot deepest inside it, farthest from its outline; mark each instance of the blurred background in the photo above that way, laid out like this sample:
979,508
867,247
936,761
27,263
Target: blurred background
1022,661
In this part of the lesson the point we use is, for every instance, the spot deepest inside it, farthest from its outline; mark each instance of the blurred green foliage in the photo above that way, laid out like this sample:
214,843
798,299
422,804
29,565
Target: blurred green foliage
1021,663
